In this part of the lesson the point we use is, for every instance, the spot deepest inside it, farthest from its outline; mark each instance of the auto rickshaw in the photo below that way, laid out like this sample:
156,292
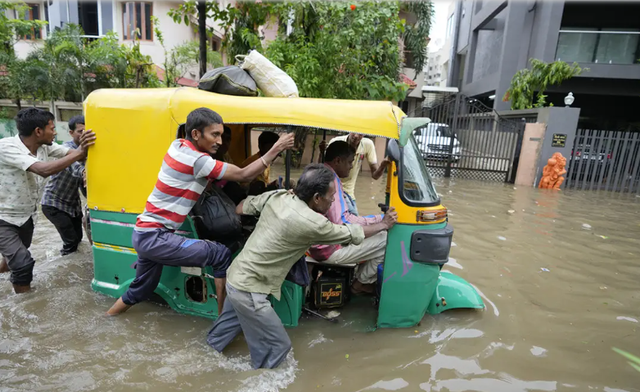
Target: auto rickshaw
134,128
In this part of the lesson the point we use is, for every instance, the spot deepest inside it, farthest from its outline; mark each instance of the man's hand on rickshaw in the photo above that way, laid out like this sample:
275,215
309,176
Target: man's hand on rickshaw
285,142
87,139
390,218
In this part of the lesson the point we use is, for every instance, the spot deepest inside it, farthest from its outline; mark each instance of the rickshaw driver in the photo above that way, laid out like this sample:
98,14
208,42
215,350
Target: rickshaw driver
370,253
288,225
365,148
186,169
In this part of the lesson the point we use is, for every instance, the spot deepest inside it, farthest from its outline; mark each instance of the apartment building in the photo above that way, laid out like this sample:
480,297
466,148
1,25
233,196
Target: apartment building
492,40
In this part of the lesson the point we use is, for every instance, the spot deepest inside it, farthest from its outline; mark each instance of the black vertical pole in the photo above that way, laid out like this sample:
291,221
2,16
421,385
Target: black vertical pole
454,129
202,31
287,176
324,138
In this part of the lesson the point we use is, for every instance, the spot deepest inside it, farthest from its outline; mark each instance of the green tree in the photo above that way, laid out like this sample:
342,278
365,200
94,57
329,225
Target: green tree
529,85
12,28
181,58
416,35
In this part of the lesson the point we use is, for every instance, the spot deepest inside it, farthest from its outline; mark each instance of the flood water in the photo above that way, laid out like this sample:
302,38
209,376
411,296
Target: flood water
558,271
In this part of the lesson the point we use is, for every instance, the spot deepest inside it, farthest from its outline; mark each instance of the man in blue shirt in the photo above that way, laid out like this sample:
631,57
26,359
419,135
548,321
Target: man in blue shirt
61,200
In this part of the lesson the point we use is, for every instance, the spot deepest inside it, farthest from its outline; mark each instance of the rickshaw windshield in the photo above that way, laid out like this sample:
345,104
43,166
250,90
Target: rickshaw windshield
416,184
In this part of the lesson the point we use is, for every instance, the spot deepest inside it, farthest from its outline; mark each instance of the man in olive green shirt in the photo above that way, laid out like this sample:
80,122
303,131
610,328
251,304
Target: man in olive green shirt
289,224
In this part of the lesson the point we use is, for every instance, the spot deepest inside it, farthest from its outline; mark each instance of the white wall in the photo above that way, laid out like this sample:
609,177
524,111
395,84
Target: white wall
174,34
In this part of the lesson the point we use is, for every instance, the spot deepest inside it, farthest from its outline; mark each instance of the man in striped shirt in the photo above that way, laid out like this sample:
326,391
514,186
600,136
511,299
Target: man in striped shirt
186,169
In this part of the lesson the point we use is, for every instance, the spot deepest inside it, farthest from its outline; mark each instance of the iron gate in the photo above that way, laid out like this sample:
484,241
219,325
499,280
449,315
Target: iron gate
604,160
467,139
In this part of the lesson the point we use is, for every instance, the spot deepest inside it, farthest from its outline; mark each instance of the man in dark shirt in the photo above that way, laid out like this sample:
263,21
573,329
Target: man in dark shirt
61,200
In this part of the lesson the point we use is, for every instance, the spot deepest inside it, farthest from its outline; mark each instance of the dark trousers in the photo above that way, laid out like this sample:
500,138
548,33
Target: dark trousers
160,247
69,227
14,245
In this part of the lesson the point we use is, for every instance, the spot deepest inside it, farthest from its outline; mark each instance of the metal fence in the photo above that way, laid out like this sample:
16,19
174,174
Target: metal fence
605,160
467,139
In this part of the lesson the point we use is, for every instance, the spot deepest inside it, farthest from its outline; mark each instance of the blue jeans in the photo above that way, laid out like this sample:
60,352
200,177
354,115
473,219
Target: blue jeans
161,247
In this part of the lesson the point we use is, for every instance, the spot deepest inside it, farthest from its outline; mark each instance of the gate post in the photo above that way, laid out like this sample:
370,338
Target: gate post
454,129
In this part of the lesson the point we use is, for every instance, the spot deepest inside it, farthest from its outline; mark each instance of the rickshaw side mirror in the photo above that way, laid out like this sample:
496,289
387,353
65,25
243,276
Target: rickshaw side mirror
393,151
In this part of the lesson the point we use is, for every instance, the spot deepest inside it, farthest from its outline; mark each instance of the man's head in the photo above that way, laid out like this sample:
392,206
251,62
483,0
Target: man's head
266,140
354,140
339,156
315,187
76,127
204,129
38,124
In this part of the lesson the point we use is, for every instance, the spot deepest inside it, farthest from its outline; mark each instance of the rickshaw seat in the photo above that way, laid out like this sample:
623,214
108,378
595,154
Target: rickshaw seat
312,261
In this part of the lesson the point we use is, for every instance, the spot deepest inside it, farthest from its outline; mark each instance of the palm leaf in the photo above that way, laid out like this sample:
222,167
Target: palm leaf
632,358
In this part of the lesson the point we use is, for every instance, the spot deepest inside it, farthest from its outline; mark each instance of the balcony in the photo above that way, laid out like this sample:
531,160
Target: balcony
599,46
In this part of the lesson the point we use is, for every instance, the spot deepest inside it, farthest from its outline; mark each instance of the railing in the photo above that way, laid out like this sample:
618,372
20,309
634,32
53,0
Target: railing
598,46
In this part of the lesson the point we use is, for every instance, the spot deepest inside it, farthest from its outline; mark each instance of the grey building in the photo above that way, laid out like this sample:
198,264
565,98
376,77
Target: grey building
495,39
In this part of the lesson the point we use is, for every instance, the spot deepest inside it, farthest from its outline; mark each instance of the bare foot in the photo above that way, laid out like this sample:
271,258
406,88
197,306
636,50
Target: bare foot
4,267
118,308
21,289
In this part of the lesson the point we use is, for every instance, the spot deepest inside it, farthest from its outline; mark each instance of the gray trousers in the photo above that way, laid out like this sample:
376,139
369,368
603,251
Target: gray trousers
252,314
14,245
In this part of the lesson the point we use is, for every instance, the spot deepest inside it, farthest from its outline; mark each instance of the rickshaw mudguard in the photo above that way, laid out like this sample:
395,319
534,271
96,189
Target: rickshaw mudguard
407,287
453,292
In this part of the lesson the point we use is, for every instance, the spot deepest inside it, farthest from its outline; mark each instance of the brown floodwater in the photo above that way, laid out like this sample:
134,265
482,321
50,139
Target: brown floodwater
559,273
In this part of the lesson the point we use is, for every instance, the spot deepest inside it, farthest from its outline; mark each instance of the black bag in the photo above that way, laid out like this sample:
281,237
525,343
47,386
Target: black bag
230,80
215,218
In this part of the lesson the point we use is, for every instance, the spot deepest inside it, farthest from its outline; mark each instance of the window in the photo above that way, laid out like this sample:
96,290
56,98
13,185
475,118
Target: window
136,21
33,13
88,17
450,26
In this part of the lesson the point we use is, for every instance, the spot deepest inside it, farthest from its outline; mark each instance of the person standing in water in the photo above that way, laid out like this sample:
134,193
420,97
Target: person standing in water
25,163
186,170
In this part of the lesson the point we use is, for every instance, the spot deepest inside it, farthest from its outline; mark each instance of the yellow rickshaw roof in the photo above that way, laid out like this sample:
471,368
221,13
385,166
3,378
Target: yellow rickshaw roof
374,118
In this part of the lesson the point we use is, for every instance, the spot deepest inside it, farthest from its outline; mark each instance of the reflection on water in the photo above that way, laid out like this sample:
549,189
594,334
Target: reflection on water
559,295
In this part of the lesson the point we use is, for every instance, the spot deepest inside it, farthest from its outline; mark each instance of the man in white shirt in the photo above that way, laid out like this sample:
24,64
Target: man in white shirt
365,148
25,163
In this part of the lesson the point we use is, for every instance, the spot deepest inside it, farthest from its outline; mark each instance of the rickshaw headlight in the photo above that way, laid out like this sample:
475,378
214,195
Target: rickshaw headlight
432,216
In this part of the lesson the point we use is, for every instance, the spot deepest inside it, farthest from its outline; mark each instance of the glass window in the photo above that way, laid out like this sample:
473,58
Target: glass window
33,13
578,47
136,21
617,48
416,185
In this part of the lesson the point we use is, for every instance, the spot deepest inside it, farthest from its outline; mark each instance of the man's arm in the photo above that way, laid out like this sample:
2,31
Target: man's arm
253,205
378,170
251,171
331,233
46,169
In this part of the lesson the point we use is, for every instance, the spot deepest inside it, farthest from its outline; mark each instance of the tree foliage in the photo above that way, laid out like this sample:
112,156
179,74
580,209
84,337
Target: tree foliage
335,50
416,35
529,85
68,67
12,28
179,60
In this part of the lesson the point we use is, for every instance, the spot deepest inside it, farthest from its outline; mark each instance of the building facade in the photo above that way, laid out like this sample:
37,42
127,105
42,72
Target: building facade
492,40
97,18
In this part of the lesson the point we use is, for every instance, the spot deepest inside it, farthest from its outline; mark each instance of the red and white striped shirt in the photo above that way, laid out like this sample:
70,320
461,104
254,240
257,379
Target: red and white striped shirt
183,177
